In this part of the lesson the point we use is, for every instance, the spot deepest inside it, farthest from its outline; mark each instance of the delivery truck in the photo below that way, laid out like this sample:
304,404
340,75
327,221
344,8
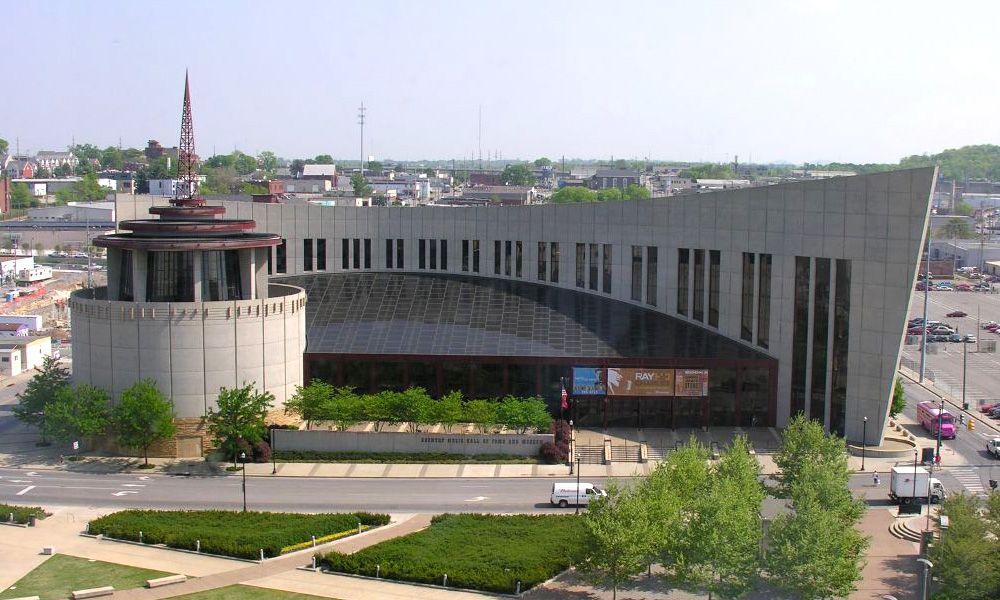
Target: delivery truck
912,485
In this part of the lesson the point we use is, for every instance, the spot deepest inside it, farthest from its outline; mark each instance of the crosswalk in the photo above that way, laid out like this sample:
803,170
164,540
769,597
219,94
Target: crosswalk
970,479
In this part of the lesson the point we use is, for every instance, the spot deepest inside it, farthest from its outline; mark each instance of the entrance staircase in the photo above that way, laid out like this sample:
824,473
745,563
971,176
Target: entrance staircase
591,455
909,529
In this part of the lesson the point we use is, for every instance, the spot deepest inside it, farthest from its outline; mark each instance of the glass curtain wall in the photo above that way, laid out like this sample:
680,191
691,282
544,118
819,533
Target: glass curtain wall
220,276
169,276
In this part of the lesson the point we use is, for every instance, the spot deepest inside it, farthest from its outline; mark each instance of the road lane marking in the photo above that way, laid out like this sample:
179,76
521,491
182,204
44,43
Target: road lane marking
124,492
477,499
25,490
144,478
970,479
31,474
133,485
19,480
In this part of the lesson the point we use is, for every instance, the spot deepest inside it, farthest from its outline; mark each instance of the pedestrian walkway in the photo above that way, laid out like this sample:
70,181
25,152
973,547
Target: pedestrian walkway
970,479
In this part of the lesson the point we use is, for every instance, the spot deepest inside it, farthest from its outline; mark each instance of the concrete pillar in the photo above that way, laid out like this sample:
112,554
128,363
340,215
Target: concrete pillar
260,272
139,260
246,273
197,275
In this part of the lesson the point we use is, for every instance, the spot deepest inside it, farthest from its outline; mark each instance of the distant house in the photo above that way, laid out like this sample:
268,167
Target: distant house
605,179
23,354
18,167
328,172
52,159
507,195
484,178
13,329
154,151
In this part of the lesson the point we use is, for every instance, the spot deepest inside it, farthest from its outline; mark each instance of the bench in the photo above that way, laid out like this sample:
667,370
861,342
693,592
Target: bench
92,592
162,581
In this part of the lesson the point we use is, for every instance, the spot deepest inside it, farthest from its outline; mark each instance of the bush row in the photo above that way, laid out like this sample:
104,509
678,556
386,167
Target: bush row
237,534
479,552
320,401
399,457
21,513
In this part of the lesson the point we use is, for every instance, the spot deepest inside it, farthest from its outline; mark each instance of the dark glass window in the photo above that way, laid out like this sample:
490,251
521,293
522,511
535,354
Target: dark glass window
368,253
425,376
357,376
698,312
454,377
841,327
170,277
388,254
554,262
321,254
683,265
465,255
754,394
434,254
722,397
496,257
581,265
593,270
652,262
399,254
506,258
606,280
356,258
281,257
543,263
518,258
764,302
637,273
746,308
821,338
307,255
444,255
800,335
522,380
220,276
126,289
345,254
714,264
487,380
390,376
270,260
422,254
475,256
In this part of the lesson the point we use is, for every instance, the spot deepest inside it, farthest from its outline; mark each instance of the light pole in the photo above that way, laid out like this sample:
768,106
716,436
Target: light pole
940,419
965,353
915,500
577,484
926,583
864,441
243,458
274,459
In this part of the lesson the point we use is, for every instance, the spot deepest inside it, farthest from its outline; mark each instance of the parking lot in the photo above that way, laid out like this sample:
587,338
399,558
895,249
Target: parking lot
945,359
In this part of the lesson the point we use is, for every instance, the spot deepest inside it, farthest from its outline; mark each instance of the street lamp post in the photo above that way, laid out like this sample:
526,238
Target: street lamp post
926,583
243,458
965,353
914,499
274,459
940,418
864,440
577,484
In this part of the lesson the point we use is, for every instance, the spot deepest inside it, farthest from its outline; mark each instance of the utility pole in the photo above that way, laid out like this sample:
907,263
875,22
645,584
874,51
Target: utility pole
361,122
927,293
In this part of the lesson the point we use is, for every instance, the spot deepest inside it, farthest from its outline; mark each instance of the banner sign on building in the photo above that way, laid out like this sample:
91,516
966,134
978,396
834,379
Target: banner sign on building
640,382
588,381
691,383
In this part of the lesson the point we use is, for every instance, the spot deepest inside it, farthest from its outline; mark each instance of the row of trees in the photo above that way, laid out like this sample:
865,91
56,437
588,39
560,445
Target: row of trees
573,195
320,401
966,556
701,522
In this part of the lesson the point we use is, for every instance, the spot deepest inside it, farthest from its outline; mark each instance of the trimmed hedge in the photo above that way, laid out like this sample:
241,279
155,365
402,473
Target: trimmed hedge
400,457
229,533
21,513
478,552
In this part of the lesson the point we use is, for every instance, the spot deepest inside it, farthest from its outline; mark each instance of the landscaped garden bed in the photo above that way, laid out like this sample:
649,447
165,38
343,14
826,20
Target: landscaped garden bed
478,552
236,534
313,456
21,514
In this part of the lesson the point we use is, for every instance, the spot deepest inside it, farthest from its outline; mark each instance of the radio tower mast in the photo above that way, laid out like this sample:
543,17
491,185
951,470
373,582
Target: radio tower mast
187,160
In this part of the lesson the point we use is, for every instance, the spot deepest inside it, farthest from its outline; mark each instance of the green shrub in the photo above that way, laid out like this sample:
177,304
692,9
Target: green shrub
237,534
400,457
21,513
479,552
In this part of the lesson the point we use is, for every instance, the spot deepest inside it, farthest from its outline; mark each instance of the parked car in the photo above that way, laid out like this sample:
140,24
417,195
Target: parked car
989,324
988,407
954,338
916,331
993,447
943,288
970,339
942,330
957,314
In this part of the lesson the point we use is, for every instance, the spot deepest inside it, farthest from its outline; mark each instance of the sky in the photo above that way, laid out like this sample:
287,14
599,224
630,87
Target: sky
706,80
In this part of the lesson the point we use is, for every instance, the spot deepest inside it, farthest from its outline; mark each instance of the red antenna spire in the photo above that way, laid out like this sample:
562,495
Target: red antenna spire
187,160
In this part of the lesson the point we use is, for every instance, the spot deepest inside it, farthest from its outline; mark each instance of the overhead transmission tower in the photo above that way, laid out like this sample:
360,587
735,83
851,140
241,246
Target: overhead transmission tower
361,122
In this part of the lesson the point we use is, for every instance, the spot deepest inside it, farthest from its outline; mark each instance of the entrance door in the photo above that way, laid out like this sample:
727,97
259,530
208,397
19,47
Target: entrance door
688,412
623,412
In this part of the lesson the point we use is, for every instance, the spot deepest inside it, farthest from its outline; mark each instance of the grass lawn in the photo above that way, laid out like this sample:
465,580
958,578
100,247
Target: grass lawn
231,533
246,592
58,576
479,552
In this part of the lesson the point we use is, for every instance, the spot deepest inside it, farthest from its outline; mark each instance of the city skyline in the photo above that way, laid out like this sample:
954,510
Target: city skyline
776,81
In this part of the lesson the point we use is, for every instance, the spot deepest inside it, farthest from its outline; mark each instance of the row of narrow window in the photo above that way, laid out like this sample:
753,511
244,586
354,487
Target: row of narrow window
759,265
691,280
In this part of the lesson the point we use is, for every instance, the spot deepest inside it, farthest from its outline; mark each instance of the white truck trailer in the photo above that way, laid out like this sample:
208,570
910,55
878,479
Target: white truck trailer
912,485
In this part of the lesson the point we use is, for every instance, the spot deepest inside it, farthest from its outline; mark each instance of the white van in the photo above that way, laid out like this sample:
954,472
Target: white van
564,494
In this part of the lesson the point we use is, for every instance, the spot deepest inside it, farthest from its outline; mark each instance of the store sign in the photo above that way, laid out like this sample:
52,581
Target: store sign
640,382
589,381
691,383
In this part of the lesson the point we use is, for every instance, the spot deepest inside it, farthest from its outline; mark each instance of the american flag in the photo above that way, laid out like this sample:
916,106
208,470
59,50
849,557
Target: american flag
565,401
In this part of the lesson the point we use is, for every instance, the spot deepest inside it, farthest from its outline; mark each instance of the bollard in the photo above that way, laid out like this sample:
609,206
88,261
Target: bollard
11,517
314,563
140,537
518,587
197,545
445,584
86,528
359,528
314,541
31,520
261,555
378,570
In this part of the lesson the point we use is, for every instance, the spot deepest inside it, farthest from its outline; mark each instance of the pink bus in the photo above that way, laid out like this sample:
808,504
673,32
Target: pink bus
931,415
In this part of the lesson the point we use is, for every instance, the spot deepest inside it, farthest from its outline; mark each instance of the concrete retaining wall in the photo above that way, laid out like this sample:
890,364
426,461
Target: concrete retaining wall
453,443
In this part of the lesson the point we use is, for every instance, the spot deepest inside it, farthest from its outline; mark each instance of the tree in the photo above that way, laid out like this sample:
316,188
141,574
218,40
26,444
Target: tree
20,196
244,163
609,194
635,192
219,180
143,417
523,414
956,228
85,190
708,171
447,410
323,159
345,408
375,167
517,175
619,527
461,178
78,412
804,442
360,185
898,398
40,392
542,162
967,556
111,158
239,417
63,170
311,402
482,413
411,407
268,161
4,144
573,195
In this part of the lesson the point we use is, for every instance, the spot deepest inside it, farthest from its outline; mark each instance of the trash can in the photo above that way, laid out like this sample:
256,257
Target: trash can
927,456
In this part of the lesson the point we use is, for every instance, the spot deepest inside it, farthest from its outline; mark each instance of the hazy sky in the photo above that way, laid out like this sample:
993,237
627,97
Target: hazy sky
795,80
